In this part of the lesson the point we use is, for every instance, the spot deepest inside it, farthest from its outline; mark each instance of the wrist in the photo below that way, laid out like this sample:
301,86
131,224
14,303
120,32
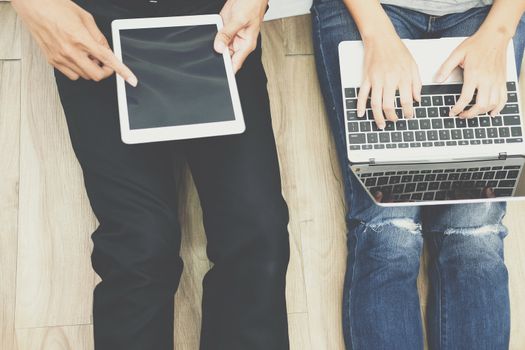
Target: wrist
495,34
380,34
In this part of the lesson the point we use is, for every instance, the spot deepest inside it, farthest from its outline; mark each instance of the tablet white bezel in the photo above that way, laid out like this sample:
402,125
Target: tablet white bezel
181,132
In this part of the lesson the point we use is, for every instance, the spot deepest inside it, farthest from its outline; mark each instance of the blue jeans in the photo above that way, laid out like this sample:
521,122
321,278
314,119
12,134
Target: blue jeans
468,305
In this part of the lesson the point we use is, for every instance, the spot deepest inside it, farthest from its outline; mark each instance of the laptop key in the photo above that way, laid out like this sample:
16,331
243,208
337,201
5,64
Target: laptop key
425,124
449,123
355,147
394,180
351,103
511,120
449,100
484,121
396,136
492,132
499,141
427,144
452,143
426,101
413,124
456,134
353,127
402,145
497,121
365,126
367,147
503,192
415,144
510,109
511,86
351,115
421,112
437,100
492,183
432,135
507,183
461,123
354,139
411,187
502,174
462,142
515,140
379,146
480,133
512,97
384,137
408,136
439,144
390,126
486,142
433,112
428,196
391,146
468,134
437,124
515,131
475,142
444,134
372,138
350,93
401,125
473,122
421,136
504,132
444,111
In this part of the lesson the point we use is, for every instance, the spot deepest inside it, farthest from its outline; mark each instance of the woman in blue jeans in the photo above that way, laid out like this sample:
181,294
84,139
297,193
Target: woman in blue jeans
468,306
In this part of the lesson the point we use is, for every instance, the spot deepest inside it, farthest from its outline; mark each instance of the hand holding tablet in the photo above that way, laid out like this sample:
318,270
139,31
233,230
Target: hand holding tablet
185,90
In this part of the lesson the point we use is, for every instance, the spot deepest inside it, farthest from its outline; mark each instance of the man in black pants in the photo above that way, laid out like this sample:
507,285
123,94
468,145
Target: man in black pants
133,193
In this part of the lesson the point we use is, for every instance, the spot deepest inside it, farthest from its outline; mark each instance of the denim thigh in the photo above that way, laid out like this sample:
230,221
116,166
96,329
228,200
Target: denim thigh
467,23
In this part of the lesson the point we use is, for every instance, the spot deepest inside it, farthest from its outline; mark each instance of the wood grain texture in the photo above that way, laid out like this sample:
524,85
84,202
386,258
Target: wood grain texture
9,163
9,33
273,59
312,187
54,278
193,252
56,338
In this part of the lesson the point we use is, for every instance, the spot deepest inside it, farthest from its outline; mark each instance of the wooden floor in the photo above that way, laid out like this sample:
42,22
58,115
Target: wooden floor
46,280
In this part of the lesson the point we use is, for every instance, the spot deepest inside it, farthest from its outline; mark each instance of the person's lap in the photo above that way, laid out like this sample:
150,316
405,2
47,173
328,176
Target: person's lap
372,229
132,191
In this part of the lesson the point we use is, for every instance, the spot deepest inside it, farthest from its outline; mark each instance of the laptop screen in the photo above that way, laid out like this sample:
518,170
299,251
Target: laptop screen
427,182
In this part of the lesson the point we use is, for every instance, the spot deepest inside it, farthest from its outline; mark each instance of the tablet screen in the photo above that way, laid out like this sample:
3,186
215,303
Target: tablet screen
182,80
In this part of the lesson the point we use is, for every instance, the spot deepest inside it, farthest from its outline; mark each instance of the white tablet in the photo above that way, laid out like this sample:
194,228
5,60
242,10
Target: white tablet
185,89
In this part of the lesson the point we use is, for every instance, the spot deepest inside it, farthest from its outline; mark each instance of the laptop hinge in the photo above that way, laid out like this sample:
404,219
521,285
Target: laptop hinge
502,156
372,161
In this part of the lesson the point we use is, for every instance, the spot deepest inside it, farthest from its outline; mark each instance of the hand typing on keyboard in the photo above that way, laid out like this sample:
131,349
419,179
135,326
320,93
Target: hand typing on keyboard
483,59
389,67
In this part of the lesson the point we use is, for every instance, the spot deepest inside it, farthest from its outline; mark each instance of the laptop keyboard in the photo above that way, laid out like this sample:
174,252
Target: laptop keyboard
431,125
428,185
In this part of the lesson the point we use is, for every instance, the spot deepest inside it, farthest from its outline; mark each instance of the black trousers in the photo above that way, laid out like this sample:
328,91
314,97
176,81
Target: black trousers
132,191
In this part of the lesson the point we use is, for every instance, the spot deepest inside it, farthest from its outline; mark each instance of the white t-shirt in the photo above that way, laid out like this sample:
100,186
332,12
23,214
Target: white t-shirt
438,7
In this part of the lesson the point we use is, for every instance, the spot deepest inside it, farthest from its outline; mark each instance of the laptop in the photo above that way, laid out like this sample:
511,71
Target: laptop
433,158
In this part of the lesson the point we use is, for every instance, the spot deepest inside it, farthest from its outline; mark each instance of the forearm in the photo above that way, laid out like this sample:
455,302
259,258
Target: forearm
370,18
503,18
